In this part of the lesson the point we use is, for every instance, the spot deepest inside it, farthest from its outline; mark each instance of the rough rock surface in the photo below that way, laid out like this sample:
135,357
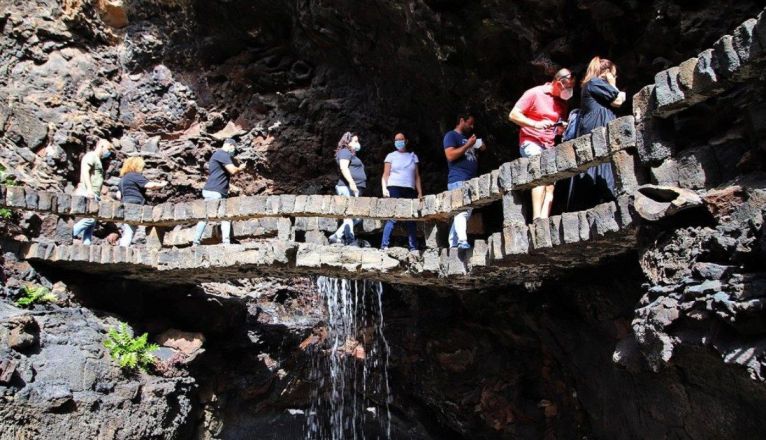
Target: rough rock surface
671,348
57,379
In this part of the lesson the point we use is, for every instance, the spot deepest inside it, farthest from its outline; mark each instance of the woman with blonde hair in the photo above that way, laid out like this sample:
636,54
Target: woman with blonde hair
133,186
598,97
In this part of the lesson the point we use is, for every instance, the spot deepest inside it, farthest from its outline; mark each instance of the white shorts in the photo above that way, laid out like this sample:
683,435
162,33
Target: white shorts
529,149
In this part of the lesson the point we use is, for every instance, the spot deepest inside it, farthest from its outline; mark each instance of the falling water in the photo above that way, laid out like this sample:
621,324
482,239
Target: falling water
351,393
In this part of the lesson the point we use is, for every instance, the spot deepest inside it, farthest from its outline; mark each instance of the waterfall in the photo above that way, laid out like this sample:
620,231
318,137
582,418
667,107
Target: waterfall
349,371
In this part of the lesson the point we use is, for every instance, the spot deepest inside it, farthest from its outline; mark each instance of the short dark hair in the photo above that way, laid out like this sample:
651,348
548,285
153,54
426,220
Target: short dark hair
465,115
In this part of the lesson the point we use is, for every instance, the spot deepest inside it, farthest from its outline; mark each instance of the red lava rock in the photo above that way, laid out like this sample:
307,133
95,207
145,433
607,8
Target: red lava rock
185,342
722,202
113,13
7,368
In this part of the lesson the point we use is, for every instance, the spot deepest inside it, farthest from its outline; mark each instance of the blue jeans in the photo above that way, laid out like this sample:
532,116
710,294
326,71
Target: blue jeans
85,227
401,192
346,230
225,226
458,230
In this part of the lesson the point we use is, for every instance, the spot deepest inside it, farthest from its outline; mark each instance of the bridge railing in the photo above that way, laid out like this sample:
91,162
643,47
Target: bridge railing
566,159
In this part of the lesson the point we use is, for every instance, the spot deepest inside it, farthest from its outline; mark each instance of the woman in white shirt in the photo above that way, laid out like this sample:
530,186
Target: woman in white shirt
401,180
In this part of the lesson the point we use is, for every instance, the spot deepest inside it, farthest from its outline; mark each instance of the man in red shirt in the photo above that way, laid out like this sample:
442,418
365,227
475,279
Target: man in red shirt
537,112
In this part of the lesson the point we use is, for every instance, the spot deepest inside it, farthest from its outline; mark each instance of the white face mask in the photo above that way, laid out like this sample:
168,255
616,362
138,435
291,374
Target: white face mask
355,145
566,94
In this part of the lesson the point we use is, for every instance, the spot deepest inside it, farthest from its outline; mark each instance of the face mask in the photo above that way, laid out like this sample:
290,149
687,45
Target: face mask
400,144
355,145
106,154
566,94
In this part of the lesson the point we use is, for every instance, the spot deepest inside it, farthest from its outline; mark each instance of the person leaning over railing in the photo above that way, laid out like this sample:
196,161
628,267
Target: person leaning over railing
401,180
352,182
133,186
599,95
220,167
91,185
540,113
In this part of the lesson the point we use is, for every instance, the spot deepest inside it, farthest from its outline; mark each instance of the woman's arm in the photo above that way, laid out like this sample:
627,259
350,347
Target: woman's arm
384,178
343,163
417,182
155,185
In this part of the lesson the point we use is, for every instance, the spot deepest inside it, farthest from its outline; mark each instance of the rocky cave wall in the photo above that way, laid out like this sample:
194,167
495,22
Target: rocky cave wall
652,351
293,76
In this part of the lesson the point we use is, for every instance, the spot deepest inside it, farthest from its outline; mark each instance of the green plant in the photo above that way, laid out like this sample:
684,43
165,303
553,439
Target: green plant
5,179
35,294
5,213
129,352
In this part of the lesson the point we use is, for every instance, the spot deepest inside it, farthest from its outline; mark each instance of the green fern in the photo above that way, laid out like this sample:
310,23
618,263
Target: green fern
5,213
35,295
129,352
5,179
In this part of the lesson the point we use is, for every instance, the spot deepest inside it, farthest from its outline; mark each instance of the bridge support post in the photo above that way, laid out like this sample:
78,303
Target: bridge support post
154,236
625,169
434,231
285,229
513,208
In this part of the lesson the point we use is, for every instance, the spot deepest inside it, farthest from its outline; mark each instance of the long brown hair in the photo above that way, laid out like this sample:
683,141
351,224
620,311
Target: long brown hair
344,141
597,68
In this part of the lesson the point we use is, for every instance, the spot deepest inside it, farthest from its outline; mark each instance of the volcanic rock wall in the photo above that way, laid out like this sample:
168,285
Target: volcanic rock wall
667,342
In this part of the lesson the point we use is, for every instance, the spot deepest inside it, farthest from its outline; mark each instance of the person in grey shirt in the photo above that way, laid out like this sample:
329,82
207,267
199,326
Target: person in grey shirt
352,182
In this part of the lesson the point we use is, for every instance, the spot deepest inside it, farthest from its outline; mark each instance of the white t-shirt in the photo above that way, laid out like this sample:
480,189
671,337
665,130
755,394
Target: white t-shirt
402,169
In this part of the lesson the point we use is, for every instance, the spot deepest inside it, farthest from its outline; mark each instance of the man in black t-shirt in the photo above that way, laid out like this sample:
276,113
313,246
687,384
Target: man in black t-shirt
221,168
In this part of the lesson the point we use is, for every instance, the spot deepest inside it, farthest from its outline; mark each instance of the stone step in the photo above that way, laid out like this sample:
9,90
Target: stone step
544,244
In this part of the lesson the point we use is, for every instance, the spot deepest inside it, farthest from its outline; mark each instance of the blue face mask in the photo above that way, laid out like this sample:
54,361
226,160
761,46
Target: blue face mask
106,154
400,144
